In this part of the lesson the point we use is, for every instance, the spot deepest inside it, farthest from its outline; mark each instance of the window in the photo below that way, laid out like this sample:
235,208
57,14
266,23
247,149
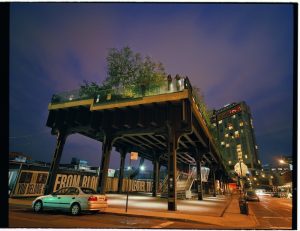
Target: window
220,121
226,135
214,124
256,146
246,157
241,124
61,191
222,143
227,145
230,127
229,162
236,134
72,191
233,116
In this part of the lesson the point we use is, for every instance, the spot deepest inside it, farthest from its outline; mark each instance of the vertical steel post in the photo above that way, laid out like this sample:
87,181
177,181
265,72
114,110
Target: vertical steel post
106,150
121,173
155,176
172,169
214,183
199,176
128,179
60,142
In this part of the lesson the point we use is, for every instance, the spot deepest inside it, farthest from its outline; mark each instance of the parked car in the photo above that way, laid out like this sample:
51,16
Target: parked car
276,194
72,199
251,196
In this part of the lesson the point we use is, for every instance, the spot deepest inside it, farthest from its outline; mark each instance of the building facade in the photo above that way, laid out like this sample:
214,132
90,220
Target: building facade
234,131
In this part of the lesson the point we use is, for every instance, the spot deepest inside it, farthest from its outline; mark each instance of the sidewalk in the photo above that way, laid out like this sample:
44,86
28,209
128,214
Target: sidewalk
227,216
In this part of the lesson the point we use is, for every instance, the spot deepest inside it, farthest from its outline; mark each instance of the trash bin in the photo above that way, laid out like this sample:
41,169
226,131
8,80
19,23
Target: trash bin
243,206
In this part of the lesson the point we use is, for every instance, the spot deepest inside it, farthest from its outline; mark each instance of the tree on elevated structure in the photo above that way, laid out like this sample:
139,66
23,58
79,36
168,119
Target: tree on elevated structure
128,74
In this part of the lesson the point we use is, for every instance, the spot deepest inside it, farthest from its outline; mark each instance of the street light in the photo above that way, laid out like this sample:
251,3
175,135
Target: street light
281,161
142,168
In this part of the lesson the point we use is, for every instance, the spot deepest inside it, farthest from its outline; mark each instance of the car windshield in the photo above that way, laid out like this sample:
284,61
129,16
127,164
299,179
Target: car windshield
88,191
250,193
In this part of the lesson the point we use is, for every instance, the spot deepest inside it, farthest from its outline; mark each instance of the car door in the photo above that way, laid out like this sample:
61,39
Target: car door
69,196
52,200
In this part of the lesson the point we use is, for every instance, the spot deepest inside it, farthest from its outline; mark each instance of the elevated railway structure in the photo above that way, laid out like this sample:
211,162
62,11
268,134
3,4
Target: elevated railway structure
164,125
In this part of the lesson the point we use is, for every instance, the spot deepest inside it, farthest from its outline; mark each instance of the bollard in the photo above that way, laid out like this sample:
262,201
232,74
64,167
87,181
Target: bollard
243,206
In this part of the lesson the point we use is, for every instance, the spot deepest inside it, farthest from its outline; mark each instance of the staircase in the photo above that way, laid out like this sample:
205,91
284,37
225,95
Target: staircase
184,182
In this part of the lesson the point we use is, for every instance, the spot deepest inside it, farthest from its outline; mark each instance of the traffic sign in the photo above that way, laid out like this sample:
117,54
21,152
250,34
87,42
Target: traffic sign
241,169
134,156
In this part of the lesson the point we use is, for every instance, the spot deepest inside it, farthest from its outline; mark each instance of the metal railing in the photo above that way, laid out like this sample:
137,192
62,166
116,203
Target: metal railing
120,94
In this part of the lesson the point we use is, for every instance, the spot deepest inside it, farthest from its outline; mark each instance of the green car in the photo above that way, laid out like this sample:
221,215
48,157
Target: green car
72,199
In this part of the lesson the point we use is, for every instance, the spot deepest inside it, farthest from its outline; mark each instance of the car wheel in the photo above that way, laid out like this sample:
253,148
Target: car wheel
75,209
38,207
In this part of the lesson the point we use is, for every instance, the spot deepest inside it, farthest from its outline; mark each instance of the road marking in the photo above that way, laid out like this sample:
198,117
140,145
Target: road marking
162,225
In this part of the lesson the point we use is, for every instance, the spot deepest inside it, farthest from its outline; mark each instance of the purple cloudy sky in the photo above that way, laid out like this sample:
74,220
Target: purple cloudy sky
232,52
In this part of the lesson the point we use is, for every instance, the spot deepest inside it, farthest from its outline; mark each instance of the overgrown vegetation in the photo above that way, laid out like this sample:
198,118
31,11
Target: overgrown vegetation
129,73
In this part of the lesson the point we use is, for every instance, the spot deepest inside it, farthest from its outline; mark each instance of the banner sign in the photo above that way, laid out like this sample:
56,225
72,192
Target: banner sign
31,183
79,180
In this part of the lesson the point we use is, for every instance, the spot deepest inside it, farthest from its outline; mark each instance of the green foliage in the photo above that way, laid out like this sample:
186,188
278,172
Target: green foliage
122,67
202,106
129,72
91,90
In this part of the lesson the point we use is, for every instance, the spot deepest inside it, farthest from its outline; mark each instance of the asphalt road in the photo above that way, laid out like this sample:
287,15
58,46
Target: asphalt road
21,216
272,212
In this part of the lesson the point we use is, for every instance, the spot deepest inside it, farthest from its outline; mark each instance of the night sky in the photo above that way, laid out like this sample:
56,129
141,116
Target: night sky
232,52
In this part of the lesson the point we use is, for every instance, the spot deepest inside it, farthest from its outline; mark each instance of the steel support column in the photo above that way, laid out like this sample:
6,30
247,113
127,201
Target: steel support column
155,175
199,176
121,173
172,169
106,150
199,181
60,142
214,183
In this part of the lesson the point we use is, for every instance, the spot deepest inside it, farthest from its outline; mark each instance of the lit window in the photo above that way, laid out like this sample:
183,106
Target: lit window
280,169
222,143
220,121
236,134
226,135
227,145
229,162
214,124
258,161
230,127
246,156
241,124
256,146
233,116
242,131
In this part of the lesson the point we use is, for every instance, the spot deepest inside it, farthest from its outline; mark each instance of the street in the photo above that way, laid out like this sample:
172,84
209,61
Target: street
21,216
272,212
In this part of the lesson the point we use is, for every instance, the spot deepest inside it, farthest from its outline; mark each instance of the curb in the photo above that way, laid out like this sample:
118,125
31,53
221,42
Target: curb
162,218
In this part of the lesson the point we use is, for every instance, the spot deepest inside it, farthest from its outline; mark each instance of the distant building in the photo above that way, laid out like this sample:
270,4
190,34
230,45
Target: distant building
18,157
233,129
78,164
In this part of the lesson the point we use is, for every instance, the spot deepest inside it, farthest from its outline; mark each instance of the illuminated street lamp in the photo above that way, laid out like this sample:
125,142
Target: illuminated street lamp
281,161
142,168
